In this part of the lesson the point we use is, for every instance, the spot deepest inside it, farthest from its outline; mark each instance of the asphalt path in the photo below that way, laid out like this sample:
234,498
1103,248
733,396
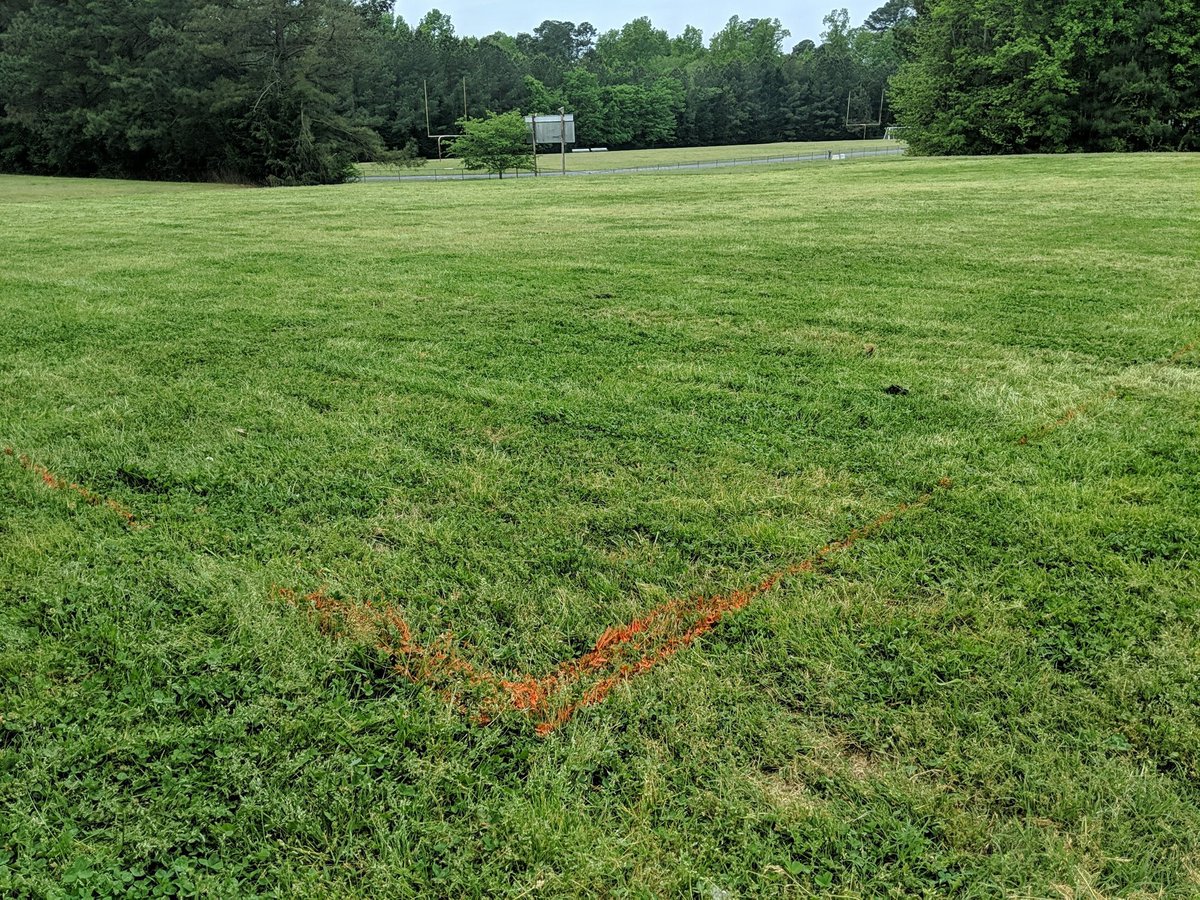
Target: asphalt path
673,167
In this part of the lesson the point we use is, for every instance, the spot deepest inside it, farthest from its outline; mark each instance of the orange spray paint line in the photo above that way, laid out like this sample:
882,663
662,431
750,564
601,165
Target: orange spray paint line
1079,409
621,652
53,482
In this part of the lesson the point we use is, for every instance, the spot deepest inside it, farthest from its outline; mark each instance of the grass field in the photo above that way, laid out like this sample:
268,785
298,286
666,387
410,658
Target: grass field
674,156
521,414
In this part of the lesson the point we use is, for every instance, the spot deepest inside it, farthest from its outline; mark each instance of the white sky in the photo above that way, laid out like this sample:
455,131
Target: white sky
473,17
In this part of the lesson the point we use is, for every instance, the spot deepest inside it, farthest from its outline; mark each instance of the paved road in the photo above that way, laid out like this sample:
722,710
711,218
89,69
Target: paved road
674,167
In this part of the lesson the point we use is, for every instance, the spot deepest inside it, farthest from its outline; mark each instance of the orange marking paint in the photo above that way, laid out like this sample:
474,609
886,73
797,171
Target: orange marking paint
1181,353
53,482
1071,414
1080,409
620,653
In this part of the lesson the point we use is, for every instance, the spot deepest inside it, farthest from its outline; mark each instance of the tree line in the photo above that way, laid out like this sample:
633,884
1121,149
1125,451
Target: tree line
298,91
1024,76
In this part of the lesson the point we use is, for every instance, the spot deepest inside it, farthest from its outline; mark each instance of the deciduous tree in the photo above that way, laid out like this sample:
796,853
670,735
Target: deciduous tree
495,143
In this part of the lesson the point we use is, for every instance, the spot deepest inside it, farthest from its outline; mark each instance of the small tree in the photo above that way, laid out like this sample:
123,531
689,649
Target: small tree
495,143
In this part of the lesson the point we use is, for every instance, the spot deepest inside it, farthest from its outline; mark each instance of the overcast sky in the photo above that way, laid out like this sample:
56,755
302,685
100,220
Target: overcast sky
474,17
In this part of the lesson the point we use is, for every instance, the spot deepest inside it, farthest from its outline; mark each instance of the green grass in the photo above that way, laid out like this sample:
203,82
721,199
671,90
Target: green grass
524,411
621,159
55,191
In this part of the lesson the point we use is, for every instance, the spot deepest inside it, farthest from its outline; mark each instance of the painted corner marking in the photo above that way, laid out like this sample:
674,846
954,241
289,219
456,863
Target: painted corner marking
621,653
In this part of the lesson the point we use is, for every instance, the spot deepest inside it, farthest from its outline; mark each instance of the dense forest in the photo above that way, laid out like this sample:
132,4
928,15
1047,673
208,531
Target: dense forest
297,91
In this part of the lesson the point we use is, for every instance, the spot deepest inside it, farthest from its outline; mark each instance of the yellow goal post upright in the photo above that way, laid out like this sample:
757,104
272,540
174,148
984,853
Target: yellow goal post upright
428,129
854,126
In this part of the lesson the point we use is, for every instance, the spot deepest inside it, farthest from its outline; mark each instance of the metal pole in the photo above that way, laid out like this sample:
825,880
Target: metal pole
562,133
465,113
533,128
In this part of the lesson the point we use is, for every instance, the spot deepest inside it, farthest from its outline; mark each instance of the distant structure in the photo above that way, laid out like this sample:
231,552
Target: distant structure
554,129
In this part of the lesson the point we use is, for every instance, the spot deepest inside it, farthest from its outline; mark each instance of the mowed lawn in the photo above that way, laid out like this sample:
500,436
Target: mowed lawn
549,158
523,412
